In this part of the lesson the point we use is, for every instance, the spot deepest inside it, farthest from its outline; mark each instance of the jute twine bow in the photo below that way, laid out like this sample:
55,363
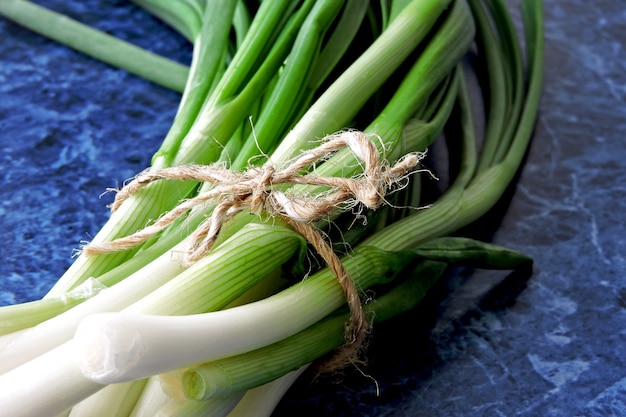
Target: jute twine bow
257,189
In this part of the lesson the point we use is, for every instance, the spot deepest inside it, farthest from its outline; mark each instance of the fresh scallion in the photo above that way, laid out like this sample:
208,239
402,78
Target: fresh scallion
267,82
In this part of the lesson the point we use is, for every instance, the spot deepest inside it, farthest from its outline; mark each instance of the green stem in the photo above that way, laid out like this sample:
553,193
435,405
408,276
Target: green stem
209,52
463,204
332,111
440,56
96,44
202,144
269,128
185,16
240,87
497,104
251,369
514,73
434,64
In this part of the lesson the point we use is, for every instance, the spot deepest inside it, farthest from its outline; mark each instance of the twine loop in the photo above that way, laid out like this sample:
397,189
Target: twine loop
265,189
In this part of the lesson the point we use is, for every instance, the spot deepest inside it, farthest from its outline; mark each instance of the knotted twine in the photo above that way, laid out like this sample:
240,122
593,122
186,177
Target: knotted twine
258,189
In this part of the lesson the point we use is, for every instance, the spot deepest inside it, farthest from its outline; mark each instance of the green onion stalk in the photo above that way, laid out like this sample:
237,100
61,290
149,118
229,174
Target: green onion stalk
233,330
49,333
220,102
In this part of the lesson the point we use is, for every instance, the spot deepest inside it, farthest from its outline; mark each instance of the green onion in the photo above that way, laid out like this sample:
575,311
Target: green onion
166,287
267,81
228,105
248,370
107,356
102,265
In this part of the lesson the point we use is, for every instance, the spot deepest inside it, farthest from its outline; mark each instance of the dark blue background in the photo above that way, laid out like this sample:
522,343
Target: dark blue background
484,344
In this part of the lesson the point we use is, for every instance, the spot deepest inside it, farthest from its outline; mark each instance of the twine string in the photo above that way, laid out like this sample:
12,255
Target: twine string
258,189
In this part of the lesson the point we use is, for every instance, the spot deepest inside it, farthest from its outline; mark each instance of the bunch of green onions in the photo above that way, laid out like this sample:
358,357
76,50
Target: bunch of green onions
137,332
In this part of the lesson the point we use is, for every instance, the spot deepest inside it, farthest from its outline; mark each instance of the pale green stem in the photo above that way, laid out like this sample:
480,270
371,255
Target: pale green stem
151,400
261,401
96,44
218,407
220,333
117,400
251,369
359,82
185,16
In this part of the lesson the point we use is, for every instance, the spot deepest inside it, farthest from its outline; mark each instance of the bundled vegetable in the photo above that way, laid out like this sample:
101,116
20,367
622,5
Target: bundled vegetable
287,188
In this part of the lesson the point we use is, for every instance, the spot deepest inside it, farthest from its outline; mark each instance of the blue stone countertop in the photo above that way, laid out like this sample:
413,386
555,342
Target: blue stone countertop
484,343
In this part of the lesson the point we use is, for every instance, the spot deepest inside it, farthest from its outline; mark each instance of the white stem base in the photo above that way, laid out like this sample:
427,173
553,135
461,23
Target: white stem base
46,386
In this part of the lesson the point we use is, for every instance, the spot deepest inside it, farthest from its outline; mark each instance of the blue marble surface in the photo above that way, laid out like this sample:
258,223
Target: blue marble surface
484,343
